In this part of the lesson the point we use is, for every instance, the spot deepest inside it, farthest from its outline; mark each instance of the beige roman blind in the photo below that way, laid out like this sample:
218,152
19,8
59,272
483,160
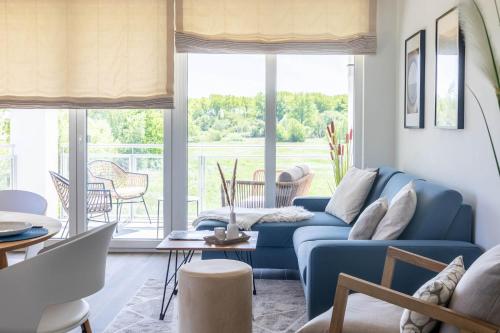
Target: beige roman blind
276,26
86,53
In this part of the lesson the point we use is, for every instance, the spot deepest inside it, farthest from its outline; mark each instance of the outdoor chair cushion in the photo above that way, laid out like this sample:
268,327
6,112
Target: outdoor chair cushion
363,314
291,174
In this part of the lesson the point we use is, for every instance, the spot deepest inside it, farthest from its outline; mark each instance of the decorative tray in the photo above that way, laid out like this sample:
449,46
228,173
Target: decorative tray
216,241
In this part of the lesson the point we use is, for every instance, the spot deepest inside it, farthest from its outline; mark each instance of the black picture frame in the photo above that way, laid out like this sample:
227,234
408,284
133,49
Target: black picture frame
414,92
450,45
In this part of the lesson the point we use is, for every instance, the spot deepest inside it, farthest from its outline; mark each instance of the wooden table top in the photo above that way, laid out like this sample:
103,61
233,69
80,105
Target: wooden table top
51,224
200,245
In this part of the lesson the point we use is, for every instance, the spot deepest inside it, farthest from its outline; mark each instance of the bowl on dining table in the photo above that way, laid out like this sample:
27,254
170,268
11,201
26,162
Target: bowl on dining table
13,228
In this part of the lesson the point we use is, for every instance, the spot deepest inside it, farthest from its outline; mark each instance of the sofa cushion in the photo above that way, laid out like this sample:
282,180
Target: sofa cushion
280,234
312,233
363,314
351,194
436,209
367,222
383,176
399,214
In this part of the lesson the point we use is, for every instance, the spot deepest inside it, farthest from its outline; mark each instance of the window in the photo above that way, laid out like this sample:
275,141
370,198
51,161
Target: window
226,109
227,120
311,92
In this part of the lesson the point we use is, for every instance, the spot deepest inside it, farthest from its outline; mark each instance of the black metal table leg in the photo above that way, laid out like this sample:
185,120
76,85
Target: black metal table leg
162,313
187,258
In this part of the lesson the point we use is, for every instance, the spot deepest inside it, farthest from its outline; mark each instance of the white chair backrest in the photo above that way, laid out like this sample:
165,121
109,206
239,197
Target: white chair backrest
69,270
22,202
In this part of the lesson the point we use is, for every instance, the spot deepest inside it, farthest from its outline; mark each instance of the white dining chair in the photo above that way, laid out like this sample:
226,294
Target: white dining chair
45,293
24,202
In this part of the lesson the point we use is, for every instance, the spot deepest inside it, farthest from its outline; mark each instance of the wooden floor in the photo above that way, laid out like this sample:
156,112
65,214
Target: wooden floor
126,273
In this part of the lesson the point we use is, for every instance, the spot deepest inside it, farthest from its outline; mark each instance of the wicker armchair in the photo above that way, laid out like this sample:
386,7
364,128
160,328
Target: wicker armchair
250,193
126,187
99,202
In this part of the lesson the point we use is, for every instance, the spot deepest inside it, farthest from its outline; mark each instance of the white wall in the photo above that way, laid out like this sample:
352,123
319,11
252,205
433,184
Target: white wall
460,159
375,93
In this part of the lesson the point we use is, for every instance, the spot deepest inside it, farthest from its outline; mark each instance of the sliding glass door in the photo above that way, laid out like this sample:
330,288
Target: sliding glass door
125,171
226,120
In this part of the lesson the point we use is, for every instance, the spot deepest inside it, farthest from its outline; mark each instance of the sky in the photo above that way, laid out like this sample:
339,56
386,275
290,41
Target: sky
244,75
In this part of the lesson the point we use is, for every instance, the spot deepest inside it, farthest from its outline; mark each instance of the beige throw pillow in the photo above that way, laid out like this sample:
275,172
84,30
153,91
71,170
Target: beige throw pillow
478,292
368,220
398,215
350,195
436,291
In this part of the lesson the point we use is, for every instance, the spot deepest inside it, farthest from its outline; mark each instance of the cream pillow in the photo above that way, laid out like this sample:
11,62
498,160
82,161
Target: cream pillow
398,215
351,194
436,291
368,220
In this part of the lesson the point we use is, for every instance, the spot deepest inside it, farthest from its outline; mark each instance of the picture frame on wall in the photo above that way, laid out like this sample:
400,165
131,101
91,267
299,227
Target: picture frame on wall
414,110
450,71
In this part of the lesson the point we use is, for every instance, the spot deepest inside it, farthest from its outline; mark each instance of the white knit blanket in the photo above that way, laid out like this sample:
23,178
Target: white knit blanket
247,217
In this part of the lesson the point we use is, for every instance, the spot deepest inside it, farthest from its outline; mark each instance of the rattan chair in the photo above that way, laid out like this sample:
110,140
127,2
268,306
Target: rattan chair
250,193
99,202
126,187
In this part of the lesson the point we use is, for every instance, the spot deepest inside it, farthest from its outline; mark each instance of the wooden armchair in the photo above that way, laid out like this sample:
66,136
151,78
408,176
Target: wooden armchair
347,283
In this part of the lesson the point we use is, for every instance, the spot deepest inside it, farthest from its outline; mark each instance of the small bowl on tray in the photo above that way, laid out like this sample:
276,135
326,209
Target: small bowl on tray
216,241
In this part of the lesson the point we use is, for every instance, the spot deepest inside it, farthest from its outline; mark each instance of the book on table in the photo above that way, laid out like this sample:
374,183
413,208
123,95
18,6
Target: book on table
187,235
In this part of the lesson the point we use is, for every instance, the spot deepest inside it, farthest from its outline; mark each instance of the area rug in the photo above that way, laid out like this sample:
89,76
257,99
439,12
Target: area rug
278,307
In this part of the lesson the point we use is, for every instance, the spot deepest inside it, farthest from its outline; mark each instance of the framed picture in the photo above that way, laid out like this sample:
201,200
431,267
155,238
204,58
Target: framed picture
415,80
450,69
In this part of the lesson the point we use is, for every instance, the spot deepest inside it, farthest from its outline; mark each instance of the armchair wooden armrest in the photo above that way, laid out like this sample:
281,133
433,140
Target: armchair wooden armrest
347,283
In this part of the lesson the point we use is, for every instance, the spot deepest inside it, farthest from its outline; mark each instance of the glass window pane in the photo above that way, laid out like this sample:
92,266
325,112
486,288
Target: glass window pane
312,91
125,162
225,121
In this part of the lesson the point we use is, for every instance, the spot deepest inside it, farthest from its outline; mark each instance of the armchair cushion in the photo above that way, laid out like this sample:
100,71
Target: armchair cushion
363,314
437,290
478,292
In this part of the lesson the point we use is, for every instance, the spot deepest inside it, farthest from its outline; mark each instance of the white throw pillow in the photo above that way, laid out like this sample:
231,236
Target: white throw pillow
351,194
438,291
398,215
368,220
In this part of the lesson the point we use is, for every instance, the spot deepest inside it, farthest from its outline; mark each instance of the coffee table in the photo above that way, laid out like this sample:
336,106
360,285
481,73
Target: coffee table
185,249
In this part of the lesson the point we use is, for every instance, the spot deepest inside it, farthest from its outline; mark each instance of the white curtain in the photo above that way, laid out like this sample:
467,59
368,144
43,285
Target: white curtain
86,53
276,26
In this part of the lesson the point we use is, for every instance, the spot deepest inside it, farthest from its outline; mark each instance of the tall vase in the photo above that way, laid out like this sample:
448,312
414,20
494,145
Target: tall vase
232,229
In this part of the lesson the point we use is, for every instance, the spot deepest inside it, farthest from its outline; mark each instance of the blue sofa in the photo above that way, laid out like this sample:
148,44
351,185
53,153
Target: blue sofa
441,229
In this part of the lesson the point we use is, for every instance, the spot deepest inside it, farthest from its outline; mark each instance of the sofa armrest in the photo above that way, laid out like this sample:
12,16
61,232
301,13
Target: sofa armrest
365,260
312,203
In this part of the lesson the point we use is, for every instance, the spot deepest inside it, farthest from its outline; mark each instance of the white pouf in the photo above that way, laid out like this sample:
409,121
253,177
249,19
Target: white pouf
215,296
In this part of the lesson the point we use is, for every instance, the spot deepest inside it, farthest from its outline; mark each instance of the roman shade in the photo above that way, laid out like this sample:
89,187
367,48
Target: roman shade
86,53
276,26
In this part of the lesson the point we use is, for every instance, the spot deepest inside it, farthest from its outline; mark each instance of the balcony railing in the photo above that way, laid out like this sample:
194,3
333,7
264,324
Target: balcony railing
203,177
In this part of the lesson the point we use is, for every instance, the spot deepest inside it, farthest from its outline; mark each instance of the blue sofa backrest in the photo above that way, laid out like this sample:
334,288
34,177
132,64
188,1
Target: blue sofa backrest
440,213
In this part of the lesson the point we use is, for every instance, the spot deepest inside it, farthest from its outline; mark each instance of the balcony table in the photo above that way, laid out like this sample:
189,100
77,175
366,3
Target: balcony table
51,224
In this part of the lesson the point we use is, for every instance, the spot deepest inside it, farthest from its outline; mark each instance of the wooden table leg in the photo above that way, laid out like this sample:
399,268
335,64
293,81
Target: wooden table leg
3,260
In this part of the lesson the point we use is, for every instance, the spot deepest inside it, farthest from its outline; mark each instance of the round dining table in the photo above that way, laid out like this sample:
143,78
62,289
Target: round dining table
51,224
